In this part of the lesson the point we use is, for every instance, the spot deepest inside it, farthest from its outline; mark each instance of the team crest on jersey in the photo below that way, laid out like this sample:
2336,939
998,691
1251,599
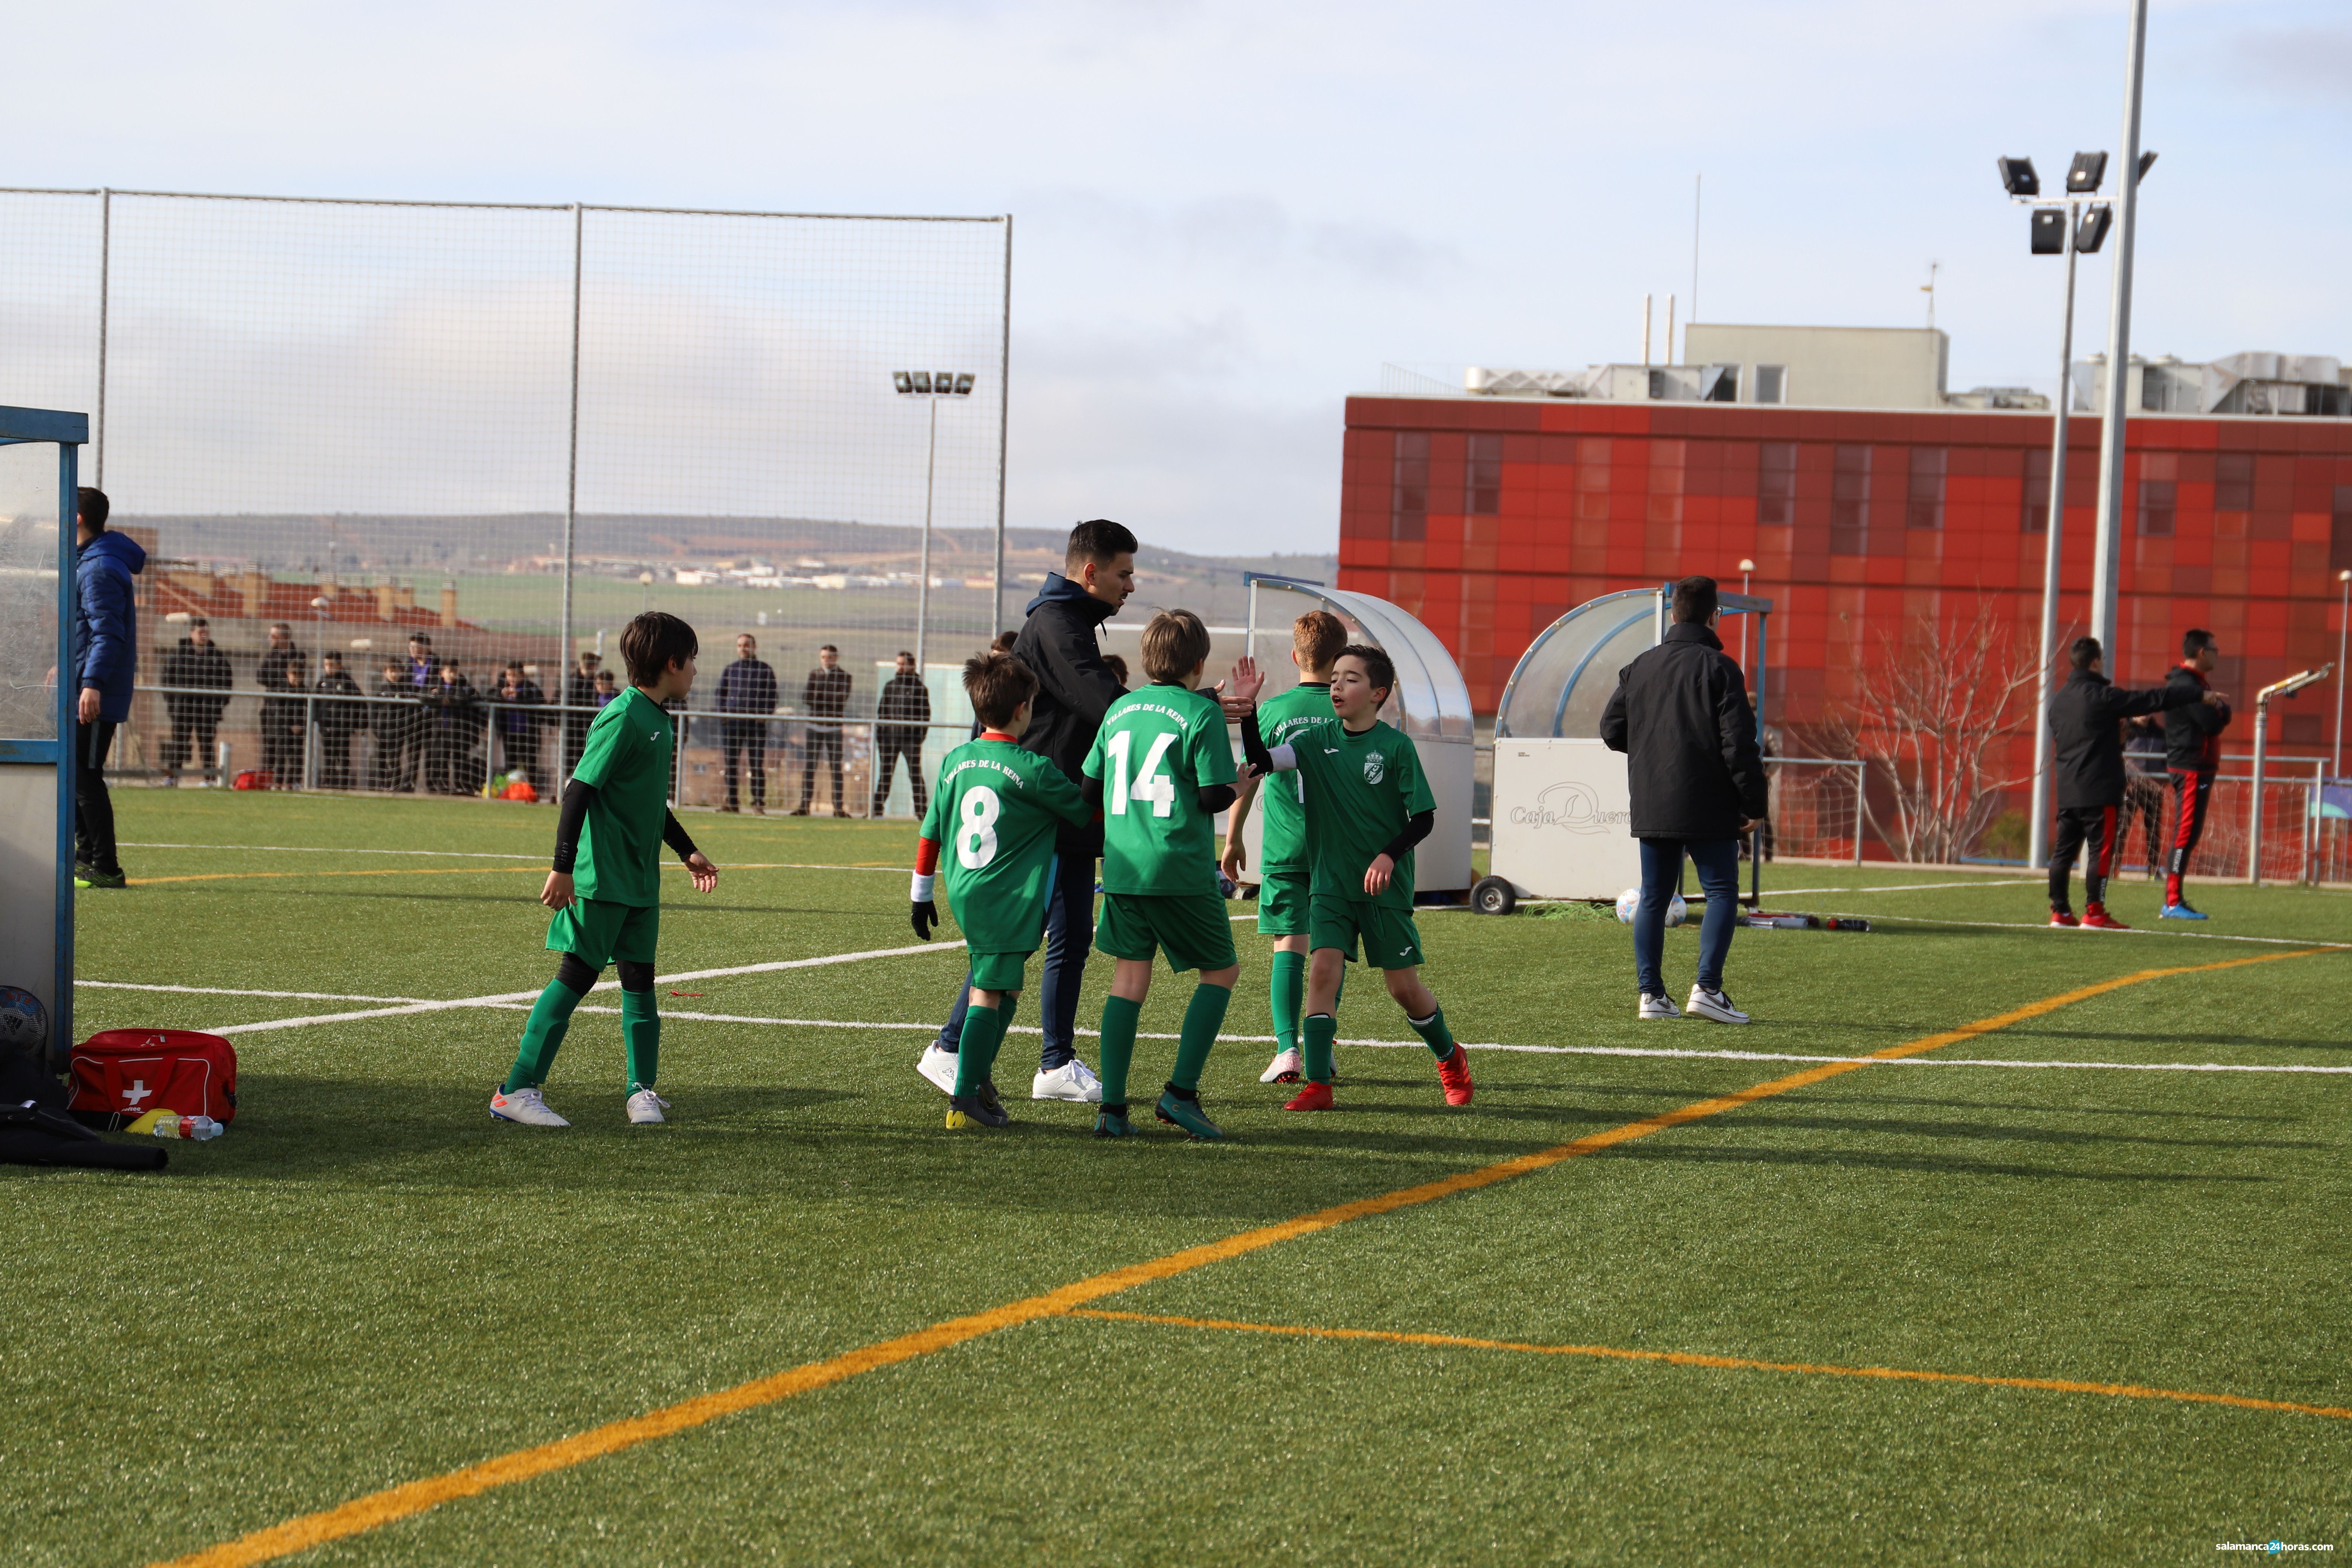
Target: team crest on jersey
1376,768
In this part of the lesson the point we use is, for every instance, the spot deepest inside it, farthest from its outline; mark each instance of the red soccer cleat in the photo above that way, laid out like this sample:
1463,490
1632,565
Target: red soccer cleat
2097,919
1453,1072
2063,918
1314,1097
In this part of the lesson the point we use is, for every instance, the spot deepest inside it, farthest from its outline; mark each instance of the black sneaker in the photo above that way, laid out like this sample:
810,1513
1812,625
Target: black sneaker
986,1095
91,877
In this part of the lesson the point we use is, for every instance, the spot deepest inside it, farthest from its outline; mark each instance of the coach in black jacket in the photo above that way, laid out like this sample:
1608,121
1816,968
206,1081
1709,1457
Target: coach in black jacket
2192,755
1061,643
2086,719
1680,714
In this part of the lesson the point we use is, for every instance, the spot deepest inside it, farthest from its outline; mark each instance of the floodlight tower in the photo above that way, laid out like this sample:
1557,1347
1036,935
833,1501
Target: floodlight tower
2069,225
2107,560
931,386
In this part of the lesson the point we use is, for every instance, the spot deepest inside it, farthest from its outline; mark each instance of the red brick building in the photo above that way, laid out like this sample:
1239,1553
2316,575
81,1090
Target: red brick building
1487,517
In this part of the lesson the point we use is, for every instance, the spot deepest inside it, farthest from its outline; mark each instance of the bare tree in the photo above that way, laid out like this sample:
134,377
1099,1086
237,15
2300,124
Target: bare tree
1937,708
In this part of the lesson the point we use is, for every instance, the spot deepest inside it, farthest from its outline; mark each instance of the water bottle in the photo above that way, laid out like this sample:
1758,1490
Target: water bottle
198,1127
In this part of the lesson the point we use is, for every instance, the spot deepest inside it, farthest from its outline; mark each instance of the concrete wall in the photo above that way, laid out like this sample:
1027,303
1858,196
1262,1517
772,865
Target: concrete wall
1831,367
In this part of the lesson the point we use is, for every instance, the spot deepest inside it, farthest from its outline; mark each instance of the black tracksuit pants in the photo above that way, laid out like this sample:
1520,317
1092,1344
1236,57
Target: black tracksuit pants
2078,826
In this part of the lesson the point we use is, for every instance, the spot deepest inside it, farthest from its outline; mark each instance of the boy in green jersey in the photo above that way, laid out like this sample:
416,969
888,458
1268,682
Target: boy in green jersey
1316,639
1162,766
997,806
605,885
1366,805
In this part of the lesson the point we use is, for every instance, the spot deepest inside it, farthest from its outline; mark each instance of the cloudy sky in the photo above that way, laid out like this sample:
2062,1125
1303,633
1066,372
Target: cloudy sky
1229,215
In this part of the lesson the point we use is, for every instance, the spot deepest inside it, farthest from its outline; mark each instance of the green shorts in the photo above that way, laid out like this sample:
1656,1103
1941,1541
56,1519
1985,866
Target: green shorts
998,971
1391,940
1282,904
1190,928
597,932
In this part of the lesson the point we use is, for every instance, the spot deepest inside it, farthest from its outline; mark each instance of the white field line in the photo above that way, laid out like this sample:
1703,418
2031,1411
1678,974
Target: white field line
1909,887
224,991
2095,931
485,855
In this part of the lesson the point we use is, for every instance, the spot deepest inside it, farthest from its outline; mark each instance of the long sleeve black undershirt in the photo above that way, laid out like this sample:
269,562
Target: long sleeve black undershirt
574,817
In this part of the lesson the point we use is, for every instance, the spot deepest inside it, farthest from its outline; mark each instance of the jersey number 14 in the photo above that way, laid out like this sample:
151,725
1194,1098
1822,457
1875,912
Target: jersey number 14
1150,783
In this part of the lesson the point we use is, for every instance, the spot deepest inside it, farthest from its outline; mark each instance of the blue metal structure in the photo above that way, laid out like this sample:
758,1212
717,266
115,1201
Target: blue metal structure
40,736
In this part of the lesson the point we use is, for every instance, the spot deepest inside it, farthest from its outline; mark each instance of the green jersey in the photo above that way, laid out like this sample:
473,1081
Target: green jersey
993,817
627,759
1156,749
1362,789
1282,812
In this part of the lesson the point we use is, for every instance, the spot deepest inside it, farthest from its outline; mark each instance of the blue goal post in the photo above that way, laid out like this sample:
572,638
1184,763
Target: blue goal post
39,449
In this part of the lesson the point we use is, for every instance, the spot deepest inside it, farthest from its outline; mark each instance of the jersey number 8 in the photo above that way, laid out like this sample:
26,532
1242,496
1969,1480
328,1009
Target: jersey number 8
1150,783
975,841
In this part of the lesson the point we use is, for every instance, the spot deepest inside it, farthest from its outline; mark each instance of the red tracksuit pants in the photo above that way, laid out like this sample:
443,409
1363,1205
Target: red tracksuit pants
2192,793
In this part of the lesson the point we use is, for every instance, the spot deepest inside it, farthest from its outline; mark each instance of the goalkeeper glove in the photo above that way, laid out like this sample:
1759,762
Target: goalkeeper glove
926,916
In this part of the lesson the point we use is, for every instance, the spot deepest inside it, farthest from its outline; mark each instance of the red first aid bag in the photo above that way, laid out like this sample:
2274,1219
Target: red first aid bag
120,1075
252,778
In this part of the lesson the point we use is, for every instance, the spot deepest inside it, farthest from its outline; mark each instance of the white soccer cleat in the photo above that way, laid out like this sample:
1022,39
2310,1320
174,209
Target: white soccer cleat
1287,1067
645,1108
939,1067
1658,1007
1073,1080
524,1107
1714,1005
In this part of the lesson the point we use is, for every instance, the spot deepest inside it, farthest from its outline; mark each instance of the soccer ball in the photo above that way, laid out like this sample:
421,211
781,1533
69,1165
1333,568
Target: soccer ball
24,1022
1631,900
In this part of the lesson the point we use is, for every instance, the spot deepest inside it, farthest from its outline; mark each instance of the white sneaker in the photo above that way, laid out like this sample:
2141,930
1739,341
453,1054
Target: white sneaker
938,1067
1287,1067
1658,1007
645,1108
524,1106
1715,1004
1073,1080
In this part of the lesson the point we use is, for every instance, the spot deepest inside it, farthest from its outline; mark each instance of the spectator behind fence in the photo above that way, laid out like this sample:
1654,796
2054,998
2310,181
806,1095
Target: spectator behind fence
424,668
605,688
518,724
197,662
105,659
454,712
826,696
580,691
904,708
283,719
339,719
746,686
397,732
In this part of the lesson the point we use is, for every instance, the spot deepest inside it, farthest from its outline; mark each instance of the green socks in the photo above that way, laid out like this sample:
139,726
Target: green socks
1119,1019
551,1017
641,1032
983,1031
1320,1029
1434,1034
1289,988
1203,1017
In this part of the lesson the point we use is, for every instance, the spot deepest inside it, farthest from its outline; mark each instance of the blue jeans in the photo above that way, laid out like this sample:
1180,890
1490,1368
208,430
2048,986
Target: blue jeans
1717,861
1069,938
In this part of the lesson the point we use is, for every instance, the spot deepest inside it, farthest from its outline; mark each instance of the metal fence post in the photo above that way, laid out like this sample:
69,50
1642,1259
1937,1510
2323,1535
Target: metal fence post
1860,770
564,657
105,261
1003,403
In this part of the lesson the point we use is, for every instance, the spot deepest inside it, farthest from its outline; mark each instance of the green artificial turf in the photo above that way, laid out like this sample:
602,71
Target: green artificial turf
367,1281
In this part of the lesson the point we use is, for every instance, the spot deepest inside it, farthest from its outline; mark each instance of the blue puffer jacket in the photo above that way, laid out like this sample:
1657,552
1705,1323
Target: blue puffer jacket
105,620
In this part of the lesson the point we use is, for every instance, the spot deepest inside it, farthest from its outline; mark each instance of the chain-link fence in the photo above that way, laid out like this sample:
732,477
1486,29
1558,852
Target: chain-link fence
428,436
1816,809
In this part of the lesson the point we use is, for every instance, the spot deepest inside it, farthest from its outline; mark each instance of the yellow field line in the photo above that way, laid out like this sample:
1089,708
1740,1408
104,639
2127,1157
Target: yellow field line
377,1509
1733,1363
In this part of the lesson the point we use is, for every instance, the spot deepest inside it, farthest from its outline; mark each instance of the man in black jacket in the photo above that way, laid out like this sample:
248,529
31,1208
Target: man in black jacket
1061,644
2086,719
517,725
338,720
196,663
826,698
1680,714
284,719
900,713
581,702
2192,755
746,686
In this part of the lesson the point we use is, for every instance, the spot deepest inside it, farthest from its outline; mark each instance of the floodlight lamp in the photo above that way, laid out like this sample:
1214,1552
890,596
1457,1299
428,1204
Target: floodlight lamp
2146,162
2086,173
2017,178
1747,565
322,602
963,383
902,381
2345,575
2091,231
2049,227
180,617
923,382
943,381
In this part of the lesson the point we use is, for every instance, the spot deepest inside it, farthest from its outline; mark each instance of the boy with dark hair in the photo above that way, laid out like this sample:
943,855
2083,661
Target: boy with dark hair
1161,768
337,722
1367,805
605,886
2192,756
1000,807
1316,639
